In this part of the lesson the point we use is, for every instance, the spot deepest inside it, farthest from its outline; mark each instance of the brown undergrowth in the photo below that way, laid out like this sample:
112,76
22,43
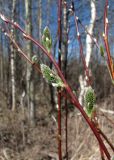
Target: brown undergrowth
19,141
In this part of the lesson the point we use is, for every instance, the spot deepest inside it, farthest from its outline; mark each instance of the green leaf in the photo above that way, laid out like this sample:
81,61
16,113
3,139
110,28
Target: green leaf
89,100
51,77
47,39
102,51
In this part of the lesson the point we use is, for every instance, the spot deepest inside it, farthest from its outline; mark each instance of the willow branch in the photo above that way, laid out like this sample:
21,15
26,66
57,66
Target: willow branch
67,87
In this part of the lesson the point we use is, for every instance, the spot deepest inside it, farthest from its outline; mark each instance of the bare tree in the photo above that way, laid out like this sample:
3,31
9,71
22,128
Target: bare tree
64,59
29,73
12,62
1,64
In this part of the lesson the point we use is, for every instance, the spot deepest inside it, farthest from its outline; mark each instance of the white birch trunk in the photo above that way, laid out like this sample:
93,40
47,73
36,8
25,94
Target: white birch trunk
90,28
12,63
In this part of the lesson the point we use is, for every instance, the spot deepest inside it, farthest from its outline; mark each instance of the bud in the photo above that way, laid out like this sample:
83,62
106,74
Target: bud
47,39
35,59
3,18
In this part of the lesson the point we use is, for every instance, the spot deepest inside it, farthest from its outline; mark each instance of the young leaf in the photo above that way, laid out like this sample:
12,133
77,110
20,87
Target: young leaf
89,102
47,39
51,77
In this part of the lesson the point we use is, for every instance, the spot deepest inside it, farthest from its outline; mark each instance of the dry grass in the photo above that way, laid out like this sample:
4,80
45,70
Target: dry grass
18,141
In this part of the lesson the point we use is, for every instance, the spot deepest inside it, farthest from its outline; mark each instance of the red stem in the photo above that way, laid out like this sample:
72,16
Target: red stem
105,37
102,153
109,60
105,18
22,53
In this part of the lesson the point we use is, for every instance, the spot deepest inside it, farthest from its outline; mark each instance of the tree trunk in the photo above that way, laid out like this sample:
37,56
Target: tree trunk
40,19
41,55
29,73
64,39
48,12
1,65
12,61
64,67
90,28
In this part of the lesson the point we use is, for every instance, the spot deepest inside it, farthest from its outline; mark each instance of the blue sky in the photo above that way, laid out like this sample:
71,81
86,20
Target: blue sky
82,11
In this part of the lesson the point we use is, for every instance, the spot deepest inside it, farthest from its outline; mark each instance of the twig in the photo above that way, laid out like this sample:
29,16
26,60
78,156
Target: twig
106,111
112,122
23,54
106,42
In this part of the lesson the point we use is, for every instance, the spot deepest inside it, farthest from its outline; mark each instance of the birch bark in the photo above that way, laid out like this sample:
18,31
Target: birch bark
12,61
90,28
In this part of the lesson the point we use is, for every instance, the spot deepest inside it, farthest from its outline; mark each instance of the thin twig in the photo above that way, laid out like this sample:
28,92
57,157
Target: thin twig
106,42
23,54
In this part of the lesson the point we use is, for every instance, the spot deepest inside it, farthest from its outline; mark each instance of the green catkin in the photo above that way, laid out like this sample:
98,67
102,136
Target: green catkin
51,77
47,39
89,101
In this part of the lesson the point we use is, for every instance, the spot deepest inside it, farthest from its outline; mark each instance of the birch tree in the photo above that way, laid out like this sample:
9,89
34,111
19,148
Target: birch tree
12,61
90,29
